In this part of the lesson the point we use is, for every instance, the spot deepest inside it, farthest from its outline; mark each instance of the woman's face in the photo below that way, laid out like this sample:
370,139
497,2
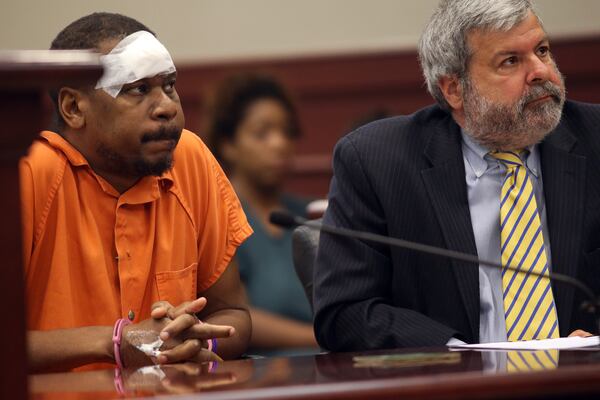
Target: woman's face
262,147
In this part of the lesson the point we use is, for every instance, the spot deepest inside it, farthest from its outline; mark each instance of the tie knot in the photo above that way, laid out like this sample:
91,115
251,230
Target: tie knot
510,159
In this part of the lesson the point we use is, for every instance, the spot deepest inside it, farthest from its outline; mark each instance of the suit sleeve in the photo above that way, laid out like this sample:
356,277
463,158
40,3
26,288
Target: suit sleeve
353,279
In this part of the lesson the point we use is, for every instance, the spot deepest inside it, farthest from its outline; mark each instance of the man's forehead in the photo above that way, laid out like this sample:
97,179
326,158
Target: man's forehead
529,33
127,60
159,77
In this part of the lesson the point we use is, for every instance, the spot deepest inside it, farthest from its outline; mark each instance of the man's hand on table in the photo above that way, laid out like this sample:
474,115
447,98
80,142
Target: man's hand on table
185,337
580,333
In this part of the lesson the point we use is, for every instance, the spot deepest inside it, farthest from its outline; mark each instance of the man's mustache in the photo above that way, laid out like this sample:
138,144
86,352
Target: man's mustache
546,89
163,133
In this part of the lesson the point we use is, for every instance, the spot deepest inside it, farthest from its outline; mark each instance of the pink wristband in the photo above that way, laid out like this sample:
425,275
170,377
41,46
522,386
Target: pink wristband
117,334
212,345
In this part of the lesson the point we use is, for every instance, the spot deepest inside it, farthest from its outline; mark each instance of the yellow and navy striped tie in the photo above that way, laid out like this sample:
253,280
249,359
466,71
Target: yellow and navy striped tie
529,307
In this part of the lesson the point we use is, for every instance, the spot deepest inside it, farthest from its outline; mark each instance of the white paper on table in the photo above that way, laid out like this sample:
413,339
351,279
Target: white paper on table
544,344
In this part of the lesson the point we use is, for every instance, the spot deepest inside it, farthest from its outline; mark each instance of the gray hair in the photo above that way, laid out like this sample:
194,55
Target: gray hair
443,48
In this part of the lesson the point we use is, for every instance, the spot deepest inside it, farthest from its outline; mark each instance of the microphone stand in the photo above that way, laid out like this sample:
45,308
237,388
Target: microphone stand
591,305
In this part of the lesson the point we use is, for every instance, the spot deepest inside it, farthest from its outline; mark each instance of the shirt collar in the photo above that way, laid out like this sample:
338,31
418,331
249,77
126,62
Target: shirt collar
479,160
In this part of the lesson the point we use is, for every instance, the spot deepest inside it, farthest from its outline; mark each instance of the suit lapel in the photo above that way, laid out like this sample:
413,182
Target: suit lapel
563,175
447,189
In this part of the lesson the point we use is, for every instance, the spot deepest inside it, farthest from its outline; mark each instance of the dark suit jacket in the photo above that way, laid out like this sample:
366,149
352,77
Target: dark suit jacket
404,177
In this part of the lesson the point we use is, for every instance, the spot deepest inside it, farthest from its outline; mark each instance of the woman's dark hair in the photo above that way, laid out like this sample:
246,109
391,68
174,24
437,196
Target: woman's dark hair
231,101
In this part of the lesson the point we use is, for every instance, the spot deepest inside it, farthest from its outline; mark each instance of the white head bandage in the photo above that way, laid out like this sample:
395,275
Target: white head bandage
139,55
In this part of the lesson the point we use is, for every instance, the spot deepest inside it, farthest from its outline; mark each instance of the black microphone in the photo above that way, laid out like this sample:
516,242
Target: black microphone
287,220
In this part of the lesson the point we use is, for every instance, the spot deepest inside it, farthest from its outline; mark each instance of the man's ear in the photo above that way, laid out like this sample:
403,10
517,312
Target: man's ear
71,106
452,90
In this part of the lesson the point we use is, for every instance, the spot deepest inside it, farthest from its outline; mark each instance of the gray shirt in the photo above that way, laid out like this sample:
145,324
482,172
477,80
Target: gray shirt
484,176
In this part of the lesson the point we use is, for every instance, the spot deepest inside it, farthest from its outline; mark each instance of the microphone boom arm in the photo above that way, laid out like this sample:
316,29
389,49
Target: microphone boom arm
455,255
592,305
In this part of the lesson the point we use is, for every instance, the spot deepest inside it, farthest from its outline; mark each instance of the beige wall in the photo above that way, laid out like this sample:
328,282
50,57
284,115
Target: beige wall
206,30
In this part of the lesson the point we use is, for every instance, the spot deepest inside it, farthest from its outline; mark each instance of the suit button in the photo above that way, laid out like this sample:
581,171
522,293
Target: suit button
131,315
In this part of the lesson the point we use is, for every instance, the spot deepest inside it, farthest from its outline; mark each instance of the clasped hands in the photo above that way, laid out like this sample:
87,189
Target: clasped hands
185,337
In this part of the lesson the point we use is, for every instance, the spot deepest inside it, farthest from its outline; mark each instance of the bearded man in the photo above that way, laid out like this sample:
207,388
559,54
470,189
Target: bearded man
503,167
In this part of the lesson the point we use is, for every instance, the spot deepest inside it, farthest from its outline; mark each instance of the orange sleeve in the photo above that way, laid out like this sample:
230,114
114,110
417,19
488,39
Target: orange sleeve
225,225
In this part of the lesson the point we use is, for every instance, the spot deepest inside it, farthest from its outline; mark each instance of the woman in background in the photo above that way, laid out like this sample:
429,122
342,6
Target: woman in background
252,131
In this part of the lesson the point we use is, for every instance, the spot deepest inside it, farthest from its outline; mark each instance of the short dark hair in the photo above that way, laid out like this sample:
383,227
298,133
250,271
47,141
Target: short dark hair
231,101
88,32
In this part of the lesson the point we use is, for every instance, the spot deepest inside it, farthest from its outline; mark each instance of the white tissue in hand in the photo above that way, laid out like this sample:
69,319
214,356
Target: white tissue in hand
151,349
148,342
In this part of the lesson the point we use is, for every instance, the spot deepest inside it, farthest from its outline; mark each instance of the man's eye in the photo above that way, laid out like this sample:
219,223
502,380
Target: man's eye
543,51
137,89
169,86
510,61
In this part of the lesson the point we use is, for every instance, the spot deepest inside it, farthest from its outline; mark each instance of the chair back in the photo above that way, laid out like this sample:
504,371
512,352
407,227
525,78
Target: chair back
305,242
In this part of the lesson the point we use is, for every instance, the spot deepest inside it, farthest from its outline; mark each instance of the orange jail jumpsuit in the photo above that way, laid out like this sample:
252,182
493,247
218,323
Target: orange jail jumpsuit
92,255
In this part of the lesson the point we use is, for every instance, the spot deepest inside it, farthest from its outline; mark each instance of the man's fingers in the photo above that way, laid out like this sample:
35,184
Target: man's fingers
160,309
580,333
196,306
178,325
190,349
205,355
183,352
188,327
209,331
189,307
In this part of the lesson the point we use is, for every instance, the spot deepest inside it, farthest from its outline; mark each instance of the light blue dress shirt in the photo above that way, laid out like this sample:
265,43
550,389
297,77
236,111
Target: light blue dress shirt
484,176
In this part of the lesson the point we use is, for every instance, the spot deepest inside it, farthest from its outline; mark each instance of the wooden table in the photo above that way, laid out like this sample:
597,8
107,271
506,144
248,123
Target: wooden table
469,375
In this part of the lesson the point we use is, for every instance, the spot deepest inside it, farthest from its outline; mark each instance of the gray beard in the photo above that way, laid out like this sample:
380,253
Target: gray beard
515,126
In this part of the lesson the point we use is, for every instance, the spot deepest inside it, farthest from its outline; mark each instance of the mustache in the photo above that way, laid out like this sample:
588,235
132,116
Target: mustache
163,133
546,89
